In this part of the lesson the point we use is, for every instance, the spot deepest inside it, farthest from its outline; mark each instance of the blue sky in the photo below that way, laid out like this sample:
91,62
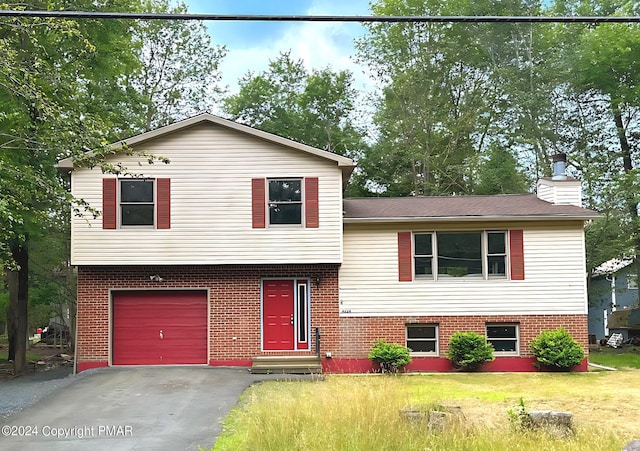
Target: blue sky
250,45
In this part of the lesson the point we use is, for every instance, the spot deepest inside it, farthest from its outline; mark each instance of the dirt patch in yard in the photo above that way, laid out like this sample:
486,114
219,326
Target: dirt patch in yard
40,357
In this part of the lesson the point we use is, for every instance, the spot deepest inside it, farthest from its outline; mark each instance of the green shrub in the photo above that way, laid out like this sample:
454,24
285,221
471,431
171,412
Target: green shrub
519,417
556,349
469,350
391,357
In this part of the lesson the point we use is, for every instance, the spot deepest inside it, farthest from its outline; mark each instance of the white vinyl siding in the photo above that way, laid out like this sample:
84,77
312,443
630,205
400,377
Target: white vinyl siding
555,281
211,222
562,192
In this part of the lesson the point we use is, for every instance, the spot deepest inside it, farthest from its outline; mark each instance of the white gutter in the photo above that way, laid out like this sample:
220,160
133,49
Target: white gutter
405,219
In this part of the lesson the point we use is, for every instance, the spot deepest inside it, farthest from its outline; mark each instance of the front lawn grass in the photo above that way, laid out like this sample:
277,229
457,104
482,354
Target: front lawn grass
363,412
625,357
4,356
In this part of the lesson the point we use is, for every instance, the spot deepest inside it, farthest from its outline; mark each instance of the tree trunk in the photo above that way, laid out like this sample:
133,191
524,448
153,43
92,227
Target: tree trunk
18,282
627,164
12,322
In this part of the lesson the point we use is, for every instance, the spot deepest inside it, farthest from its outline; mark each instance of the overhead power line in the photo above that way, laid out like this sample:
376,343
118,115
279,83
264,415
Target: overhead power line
296,18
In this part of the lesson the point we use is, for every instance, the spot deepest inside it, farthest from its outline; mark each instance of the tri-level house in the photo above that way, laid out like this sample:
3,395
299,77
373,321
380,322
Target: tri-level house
242,251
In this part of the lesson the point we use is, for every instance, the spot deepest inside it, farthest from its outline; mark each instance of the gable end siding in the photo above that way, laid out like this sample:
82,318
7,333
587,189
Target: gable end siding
211,211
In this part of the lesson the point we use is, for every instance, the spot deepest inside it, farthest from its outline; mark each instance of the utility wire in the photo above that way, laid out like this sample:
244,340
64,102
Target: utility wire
296,18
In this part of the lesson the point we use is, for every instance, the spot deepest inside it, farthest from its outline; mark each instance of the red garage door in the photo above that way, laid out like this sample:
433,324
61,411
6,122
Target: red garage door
159,327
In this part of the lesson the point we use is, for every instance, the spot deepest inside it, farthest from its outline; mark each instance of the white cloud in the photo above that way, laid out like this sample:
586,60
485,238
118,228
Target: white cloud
318,44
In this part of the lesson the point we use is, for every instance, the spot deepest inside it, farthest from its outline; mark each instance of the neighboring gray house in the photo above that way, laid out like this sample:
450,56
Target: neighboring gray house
613,287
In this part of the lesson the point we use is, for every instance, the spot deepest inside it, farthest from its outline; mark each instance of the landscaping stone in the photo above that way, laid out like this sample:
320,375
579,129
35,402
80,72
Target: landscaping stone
555,422
414,415
633,445
436,419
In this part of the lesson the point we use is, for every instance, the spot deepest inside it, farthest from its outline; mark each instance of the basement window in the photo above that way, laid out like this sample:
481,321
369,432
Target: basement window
505,338
422,338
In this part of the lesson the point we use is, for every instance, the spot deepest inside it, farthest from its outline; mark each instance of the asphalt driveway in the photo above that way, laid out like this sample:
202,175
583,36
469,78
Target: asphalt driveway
131,408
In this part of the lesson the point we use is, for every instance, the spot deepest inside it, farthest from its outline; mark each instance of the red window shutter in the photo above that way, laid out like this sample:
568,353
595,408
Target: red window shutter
311,202
405,271
163,203
258,203
109,203
516,254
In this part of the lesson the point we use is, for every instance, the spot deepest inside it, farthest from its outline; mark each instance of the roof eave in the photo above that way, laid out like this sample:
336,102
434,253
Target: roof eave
405,219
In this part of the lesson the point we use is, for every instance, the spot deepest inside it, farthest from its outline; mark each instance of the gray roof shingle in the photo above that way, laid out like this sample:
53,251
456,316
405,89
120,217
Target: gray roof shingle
516,206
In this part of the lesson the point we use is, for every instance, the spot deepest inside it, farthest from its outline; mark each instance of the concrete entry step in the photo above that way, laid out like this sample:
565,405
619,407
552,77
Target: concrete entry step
286,365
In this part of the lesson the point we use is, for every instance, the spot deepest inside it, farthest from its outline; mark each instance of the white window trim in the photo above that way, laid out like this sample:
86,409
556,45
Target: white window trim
632,281
504,353
484,239
302,203
119,203
436,339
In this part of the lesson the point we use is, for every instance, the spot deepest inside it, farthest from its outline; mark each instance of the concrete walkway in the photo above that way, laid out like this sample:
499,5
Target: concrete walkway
132,408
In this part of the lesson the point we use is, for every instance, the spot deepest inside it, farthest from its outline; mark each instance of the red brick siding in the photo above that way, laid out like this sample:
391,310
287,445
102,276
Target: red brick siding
234,299
357,334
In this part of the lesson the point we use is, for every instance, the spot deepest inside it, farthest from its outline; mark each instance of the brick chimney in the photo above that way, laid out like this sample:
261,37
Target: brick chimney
560,189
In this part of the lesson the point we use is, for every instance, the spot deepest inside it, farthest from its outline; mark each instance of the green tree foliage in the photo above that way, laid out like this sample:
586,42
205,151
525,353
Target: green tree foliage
179,73
440,97
500,174
315,108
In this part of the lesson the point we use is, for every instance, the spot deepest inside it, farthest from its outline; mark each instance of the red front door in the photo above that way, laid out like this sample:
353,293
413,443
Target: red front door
277,315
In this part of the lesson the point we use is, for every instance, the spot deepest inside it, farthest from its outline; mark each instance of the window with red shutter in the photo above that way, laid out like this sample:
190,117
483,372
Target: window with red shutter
444,255
284,202
140,202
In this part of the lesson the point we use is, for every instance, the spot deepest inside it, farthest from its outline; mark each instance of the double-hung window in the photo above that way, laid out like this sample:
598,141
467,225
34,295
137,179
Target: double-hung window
496,261
422,338
444,255
137,202
423,254
285,201
505,338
